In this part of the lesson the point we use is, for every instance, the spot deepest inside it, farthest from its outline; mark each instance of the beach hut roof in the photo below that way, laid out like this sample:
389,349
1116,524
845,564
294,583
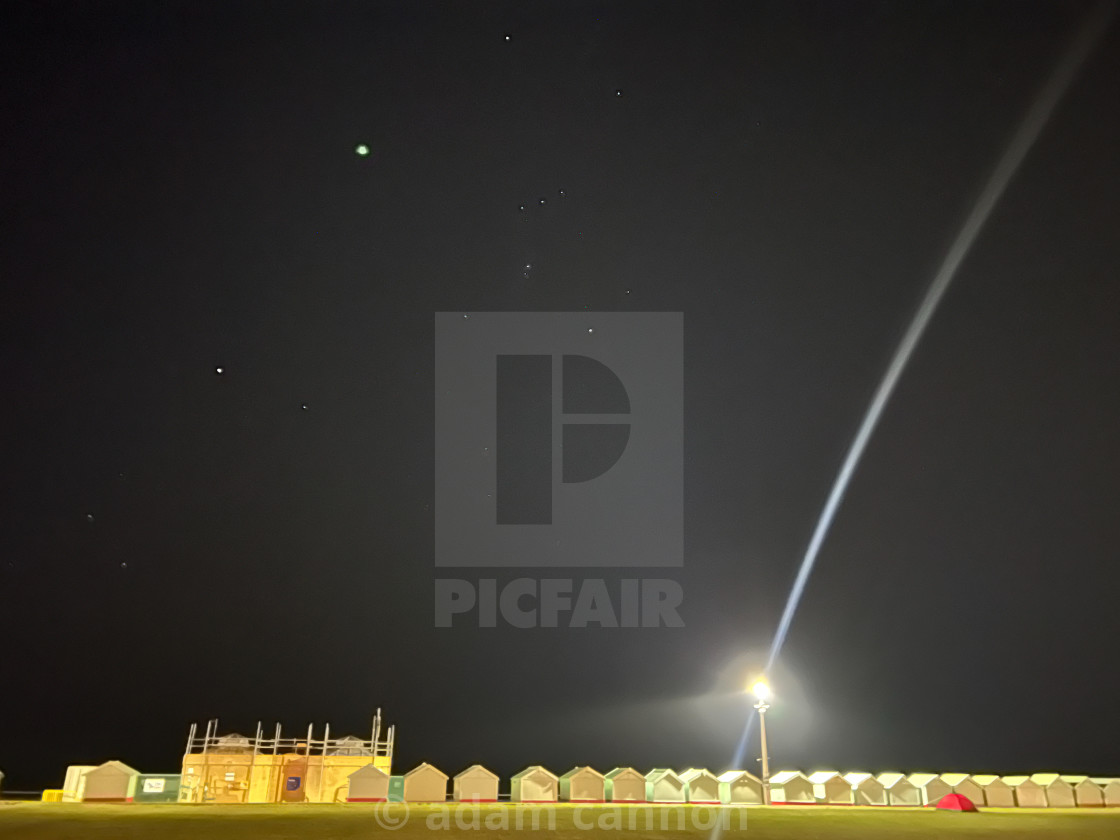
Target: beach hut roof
985,779
119,766
424,767
857,779
821,776
576,770
784,776
735,775
922,779
536,769
696,772
475,769
954,779
624,771
1044,779
367,770
890,779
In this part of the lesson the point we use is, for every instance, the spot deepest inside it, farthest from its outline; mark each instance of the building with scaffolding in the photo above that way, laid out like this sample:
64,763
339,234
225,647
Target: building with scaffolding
234,768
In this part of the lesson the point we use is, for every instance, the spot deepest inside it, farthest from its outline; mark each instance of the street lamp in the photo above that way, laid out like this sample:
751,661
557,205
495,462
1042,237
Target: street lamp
761,690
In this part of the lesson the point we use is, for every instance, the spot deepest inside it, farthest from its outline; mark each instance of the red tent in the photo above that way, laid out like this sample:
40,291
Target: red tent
956,802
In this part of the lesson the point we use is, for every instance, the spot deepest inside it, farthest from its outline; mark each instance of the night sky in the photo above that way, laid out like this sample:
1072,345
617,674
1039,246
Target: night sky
181,193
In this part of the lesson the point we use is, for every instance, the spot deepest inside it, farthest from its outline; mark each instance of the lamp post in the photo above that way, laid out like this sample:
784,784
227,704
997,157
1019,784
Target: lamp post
761,690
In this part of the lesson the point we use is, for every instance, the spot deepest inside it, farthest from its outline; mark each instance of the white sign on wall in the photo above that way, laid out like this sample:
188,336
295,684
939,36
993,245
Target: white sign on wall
153,785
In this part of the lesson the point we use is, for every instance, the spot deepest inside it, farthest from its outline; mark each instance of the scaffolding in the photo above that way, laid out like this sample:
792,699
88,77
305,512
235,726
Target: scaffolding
243,761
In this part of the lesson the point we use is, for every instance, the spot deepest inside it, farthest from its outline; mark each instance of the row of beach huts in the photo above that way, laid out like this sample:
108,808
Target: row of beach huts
117,782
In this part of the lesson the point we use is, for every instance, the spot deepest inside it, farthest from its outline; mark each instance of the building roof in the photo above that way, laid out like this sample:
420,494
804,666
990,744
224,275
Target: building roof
985,779
1018,781
857,779
890,779
424,768
367,769
619,771
922,779
662,772
819,777
783,776
1045,779
536,768
476,768
954,779
696,772
1074,780
575,771
736,775
116,767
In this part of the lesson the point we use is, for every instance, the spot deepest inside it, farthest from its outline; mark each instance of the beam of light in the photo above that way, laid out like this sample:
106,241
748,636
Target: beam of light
1021,143
1024,138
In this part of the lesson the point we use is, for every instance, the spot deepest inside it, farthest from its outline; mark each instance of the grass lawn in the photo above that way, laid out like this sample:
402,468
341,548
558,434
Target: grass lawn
36,821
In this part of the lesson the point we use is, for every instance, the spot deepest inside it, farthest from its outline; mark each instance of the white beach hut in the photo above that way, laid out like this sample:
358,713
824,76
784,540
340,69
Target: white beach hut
475,784
703,786
965,785
900,791
738,787
830,788
625,784
1028,793
931,786
866,789
997,793
791,786
425,784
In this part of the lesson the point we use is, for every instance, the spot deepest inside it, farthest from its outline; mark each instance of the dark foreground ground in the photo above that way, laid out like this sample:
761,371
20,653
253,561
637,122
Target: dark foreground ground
35,821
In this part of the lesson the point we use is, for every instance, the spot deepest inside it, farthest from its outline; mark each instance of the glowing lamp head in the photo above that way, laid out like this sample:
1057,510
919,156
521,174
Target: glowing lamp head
761,690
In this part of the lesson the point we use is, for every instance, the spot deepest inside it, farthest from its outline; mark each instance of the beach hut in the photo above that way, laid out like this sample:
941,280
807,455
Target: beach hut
425,784
74,785
703,786
866,789
108,782
475,784
830,788
583,784
1028,793
791,786
663,785
965,785
900,792
1059,792
624,784
368,783
1086,792
931,787
997,793
738,787
1,780
1110,789
534,784
149,788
